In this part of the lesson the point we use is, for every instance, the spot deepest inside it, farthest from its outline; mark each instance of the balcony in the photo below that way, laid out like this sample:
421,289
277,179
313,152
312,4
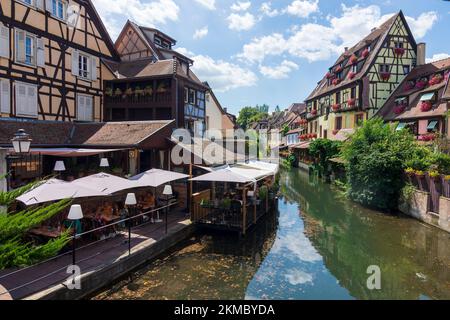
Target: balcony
162,99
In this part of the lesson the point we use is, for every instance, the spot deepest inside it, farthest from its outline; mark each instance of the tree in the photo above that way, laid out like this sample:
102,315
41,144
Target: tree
14,250
323,150
376,156
248,115
277,109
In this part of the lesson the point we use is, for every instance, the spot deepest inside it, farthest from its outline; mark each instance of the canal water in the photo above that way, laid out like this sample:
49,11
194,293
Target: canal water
318,245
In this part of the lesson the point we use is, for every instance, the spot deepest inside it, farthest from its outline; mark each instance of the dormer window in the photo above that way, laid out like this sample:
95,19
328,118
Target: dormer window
157,41
398,45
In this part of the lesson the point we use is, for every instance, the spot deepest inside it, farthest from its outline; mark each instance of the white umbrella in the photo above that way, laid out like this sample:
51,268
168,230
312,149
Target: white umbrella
54,190
262,165
105,182
223,175
156,177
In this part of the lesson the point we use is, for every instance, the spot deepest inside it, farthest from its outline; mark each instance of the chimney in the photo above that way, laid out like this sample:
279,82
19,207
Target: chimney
346,49
421,52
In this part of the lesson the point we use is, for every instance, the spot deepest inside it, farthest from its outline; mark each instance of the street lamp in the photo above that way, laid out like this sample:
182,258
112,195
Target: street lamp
59,167
130,202
168,193
75,215
104,163
21,142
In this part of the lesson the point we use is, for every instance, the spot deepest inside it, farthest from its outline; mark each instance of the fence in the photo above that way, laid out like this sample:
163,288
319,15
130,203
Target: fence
437,187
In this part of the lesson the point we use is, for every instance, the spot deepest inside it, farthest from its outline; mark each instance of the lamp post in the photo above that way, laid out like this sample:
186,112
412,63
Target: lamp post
59,167
21,143
130,202
168,193
104,163
75,215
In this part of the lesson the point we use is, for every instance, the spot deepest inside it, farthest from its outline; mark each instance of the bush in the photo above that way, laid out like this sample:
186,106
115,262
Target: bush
376,156
441,162
323,150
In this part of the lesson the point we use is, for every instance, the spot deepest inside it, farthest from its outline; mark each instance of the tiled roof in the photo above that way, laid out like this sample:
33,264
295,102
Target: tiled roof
374,39
413,110
52,133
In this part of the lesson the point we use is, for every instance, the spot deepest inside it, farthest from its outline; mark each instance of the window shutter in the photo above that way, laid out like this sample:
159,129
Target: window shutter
4,41
20,45
75,65
93,68
5,96
32,100
80,108
48,5
40,4
21,99
40,52
88,109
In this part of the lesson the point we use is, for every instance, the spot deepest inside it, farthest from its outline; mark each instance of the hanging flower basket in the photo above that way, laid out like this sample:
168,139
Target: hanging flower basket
148,90
385,76
138,91
109,91
335,132
338,69
351,75
129,92
118,92
422,83
399,51
353,59
365,53
329,75
437,78
314,112
426,106
399,109
336,107
409,85
336,81
351,102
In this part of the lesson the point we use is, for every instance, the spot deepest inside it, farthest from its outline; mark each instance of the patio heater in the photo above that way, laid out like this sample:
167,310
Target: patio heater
168,193
21,144
75,215
131,203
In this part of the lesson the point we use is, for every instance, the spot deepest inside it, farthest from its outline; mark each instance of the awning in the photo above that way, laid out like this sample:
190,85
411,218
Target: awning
55,190
432,125
427,96
400,99
105,182
69,152
156,178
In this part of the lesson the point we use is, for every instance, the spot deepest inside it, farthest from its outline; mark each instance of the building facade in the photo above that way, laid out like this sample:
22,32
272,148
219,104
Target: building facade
362,79
52,60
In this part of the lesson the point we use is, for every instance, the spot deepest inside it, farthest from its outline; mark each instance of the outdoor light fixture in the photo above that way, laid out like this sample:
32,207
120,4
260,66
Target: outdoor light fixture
104,163
59,166
167,190
75,215
130,201
21,142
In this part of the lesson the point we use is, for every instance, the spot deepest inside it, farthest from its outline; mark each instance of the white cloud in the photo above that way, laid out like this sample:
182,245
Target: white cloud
201,33
185,52
438,56
221,75
266,9
241,6
423,23
144,13
296,277
259,48
279,72
208,4
241,22
303,8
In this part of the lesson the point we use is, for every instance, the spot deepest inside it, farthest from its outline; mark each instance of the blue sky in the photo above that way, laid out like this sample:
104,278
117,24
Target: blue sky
274,52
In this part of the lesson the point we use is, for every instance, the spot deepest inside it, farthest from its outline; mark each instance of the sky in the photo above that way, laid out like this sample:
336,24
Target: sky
273,51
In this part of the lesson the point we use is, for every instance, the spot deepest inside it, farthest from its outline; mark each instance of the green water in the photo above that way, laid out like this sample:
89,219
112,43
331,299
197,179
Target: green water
318,245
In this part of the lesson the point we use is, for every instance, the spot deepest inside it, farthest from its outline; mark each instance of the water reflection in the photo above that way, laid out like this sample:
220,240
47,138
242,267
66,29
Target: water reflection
318,246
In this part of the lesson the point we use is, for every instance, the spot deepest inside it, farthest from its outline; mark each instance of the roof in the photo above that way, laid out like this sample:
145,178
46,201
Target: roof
297,108
375,40
413,109
106,134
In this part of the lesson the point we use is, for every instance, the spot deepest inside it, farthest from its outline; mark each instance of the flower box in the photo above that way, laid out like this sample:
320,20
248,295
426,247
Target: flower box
336,81
426,137
385,76
365,53
409,85
399,51
426,106
314,112
351,102
422,83
351,75
437,78
338,69
314,135
336,107
399,109
329,75
353,59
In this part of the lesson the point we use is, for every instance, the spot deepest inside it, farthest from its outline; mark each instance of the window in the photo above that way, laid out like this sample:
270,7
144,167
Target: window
427,96
186,95
338,97
4,96
406,70
355,68
338,123
4,41
84,108
384,68
398,44
26,100
29,2
84,66
59,9
191,96
157,41
201,99
432,126
25,47
353,93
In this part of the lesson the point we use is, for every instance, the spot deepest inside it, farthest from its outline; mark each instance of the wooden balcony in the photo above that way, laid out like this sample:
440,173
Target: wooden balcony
157,100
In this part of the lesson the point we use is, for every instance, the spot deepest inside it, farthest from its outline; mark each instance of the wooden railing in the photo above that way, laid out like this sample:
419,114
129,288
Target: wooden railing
198,212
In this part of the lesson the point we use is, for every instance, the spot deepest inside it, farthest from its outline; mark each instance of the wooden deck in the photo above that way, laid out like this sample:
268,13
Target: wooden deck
27,281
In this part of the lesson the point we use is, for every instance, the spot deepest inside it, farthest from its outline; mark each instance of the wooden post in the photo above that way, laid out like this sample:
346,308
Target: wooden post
254,205
267,199
190,204
244,209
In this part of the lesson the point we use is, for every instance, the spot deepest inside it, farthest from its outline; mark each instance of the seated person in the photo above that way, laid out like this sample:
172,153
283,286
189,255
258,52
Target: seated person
150,201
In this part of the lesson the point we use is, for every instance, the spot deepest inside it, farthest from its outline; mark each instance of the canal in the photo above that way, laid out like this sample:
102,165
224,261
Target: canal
318,245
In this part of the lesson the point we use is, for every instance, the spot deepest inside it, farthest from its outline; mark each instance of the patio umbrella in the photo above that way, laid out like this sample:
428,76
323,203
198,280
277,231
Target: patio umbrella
54,190
156,177
262,165
105,182
224,175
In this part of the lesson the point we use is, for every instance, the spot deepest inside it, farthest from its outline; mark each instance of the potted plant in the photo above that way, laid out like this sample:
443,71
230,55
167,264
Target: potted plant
336,81
161,88
398,109
426,106
129,92
437,78
409,85
365,53
399,51
148,90
338,69
434,174
351,102
336,107
353,59
351,75
421,83
410,171
108,91
118,92
138,91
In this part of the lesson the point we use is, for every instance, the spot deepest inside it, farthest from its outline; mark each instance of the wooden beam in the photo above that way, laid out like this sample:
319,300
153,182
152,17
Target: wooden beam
244,210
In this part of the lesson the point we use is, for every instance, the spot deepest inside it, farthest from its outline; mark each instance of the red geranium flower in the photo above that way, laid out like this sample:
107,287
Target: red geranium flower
426,106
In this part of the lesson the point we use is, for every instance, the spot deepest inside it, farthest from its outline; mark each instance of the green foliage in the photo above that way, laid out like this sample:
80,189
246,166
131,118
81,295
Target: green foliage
13,226
323,150
248,115
376,156
285,130
441,162
263,192
421,159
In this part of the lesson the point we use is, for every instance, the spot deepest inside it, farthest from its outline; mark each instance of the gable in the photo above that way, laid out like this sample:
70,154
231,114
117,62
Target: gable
131,46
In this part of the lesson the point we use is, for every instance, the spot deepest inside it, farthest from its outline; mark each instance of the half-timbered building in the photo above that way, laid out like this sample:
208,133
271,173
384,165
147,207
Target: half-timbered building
362,79
52,56
154,82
